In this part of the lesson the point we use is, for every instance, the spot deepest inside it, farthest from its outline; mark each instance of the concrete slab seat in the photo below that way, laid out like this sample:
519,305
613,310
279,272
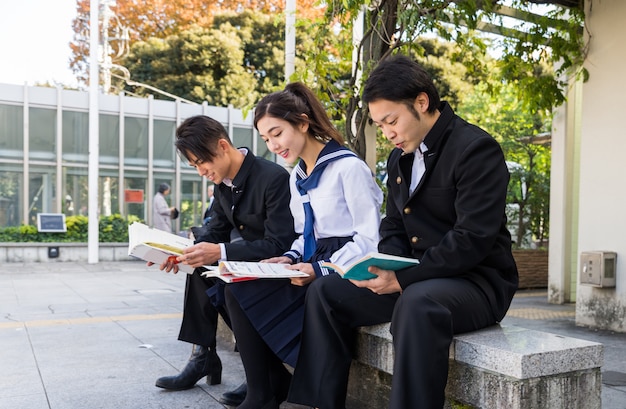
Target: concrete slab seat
501,367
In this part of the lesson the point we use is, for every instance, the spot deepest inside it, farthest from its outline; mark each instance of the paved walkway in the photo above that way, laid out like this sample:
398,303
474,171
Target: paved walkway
78,335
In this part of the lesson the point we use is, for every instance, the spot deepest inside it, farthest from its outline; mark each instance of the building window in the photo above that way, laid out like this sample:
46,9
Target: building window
75,136
136,181
242,137
41,192
10,197
136,141
164,132
108,193
191,202
11,131
123,163
42,141
109,129
75,190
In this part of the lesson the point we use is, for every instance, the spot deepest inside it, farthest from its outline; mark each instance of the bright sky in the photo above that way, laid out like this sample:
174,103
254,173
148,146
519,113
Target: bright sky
34,41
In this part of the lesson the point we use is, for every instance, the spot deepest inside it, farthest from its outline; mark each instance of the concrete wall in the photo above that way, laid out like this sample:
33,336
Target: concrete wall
39,252
602,194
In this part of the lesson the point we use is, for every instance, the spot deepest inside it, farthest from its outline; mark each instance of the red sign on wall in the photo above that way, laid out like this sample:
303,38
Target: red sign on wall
133,196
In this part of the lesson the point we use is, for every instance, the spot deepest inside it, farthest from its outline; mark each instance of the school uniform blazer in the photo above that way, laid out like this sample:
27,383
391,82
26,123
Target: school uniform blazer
257,206
454,221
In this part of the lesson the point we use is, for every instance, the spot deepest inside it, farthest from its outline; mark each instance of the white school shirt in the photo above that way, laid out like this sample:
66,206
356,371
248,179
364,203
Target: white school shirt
228,182
419,168
346,202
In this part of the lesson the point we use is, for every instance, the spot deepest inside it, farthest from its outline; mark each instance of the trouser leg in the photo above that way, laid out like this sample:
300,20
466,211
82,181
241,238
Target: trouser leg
426,317
199,327
200,316
334,307
259,361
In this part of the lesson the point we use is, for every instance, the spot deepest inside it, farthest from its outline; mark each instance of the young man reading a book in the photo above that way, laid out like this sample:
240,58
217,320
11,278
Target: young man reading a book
252,197
446,199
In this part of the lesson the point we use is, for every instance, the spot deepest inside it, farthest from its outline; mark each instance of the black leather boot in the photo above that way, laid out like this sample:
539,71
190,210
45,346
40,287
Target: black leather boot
202,362
236,396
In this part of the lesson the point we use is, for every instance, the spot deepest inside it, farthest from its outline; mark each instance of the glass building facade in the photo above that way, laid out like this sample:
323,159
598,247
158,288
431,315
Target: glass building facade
44,154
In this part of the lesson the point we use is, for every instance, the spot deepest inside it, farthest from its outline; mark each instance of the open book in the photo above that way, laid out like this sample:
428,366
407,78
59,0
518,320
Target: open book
233,271
358,269
156,245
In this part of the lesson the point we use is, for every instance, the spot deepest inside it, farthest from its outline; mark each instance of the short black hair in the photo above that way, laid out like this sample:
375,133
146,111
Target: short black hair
198,135
400,79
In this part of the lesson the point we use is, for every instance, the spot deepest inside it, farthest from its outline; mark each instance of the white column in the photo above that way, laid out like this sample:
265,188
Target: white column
26,167
94,143
59,182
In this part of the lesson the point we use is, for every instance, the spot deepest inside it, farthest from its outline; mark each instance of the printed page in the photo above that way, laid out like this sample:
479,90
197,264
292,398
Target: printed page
260,270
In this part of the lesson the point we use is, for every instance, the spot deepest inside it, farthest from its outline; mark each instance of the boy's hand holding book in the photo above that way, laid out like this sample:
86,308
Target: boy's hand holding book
359,269
201,254
385,282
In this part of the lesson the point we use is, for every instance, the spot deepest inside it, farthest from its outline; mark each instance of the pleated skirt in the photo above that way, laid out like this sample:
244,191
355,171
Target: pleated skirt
276,308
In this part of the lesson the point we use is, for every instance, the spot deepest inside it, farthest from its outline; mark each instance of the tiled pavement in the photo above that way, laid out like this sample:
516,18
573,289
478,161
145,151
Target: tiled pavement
78,335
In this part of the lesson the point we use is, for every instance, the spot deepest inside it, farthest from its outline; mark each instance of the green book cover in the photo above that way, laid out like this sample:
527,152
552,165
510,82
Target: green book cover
358,270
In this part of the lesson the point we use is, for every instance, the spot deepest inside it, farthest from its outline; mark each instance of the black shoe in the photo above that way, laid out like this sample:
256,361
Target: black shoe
236,396
203,362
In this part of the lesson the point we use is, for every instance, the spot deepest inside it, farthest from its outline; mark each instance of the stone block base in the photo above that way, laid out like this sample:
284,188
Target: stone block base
494,368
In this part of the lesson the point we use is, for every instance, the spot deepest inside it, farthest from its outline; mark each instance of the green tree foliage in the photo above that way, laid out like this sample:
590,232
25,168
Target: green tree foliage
235,61
198,64
504,116
394,26
519,91
444,62
146,19
522,135
263,43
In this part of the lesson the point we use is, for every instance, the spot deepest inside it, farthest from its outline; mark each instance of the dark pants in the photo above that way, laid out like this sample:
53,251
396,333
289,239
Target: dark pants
200,316
423,321
266,375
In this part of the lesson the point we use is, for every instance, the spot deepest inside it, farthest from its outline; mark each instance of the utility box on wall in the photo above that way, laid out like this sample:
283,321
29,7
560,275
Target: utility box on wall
597,268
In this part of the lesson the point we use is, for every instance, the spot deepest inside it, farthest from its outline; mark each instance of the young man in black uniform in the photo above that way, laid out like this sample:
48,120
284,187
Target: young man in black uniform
252,198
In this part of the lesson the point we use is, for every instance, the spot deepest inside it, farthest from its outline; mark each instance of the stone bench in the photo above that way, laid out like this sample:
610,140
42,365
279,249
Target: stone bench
500,367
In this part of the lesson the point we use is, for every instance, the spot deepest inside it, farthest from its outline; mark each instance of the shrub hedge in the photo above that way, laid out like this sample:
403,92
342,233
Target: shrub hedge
112,229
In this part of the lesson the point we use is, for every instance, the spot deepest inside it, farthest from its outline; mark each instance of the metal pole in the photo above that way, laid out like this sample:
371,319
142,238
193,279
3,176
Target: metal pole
106,48
290,38
94,147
